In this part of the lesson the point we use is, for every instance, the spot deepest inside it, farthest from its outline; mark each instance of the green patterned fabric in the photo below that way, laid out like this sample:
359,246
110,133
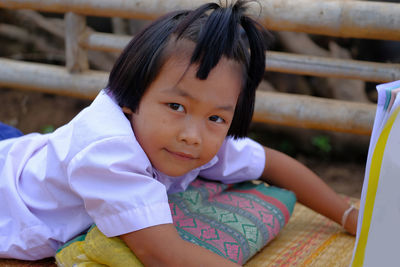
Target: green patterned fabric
233,221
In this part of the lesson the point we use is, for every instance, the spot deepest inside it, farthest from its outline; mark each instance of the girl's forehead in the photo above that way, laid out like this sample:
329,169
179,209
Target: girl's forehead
183,60
178,77
180,51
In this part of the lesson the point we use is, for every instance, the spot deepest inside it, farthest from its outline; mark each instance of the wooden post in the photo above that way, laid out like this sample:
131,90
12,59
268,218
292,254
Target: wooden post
76,56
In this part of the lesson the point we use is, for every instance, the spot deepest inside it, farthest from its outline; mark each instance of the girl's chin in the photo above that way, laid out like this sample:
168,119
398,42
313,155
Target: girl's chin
174,170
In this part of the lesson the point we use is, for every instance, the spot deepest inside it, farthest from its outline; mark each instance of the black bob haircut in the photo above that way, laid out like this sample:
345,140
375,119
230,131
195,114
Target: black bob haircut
216,32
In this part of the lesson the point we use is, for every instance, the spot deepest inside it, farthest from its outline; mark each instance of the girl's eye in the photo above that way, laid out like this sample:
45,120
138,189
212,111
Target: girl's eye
175,106
217,119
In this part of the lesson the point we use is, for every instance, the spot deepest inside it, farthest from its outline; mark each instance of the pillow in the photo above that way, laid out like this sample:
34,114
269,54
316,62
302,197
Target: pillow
233,221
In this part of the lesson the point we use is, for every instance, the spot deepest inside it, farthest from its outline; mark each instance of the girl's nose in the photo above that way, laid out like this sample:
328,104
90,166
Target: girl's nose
190,133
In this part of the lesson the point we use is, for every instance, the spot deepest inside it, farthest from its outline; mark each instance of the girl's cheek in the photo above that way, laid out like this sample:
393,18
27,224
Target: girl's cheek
164,121
218,144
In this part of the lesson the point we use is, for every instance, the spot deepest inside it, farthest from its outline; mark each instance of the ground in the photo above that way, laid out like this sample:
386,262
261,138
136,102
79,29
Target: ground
37,112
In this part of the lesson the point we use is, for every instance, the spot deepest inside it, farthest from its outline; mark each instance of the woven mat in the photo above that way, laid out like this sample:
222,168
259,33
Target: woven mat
309,239
14,263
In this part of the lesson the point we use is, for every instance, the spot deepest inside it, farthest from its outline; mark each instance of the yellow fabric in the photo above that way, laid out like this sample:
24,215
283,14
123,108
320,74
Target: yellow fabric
97,250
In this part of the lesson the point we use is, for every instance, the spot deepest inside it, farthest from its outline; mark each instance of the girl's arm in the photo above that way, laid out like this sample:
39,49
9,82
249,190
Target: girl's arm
161,245
284,171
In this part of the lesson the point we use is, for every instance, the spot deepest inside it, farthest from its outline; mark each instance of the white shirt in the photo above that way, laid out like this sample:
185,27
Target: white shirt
92,170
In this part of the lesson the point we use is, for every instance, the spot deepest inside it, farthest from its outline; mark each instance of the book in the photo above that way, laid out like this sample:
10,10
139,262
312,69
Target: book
378,231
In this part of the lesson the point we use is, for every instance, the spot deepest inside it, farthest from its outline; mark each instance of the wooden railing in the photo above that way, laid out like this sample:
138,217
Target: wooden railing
346,18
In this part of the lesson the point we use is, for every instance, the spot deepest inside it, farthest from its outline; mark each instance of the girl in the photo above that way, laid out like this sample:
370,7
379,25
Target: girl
178,104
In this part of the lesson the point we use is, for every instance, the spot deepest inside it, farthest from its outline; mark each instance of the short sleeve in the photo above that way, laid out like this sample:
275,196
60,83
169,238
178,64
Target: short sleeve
238,160
114,179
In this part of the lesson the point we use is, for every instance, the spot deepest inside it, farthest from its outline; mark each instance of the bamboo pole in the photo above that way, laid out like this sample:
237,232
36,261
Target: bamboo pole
51,79
359,19
104,41
314,112
280,62
276,108
332,67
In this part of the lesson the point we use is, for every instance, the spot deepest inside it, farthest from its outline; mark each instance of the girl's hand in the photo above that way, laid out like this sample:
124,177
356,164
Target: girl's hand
286,172
351,222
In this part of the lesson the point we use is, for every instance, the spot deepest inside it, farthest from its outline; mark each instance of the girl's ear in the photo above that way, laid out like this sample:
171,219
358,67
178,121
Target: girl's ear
127,111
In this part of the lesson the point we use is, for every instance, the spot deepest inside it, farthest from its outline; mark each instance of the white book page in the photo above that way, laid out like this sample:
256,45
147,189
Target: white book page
388,100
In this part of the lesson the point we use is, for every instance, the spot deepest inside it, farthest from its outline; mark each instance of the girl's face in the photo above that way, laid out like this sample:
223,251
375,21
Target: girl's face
182,121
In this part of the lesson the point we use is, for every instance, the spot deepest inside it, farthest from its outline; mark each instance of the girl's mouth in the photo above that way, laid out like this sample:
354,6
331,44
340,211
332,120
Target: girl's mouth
182,155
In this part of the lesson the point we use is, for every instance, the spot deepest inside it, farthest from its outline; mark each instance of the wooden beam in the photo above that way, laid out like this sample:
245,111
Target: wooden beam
104,41
51,79
332,67
314,112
